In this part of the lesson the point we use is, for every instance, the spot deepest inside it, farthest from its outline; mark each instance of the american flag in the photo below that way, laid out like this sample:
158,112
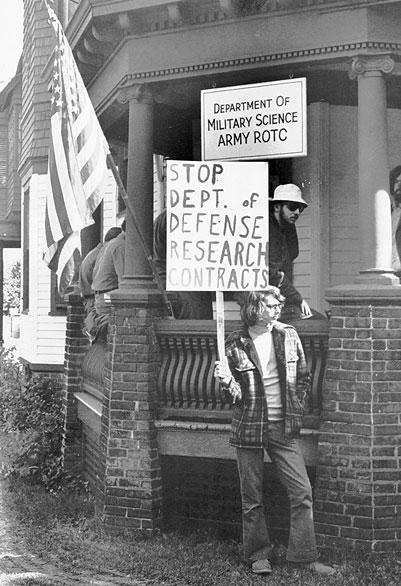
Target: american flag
77,163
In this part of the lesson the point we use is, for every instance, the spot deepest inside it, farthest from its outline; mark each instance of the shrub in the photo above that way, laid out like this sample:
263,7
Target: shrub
36,413
12,288
10,383
31,411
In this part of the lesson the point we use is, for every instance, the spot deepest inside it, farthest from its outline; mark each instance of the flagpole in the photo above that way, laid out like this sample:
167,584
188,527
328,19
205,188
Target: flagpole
148,254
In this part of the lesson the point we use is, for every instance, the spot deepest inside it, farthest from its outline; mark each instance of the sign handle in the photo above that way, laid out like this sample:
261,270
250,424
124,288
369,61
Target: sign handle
220,326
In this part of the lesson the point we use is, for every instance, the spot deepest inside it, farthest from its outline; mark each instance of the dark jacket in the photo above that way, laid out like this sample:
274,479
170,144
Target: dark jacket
86,271
160,244
250,414
283,250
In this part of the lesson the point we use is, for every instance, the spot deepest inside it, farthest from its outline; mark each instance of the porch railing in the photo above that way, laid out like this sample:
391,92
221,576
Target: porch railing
193,418
186,386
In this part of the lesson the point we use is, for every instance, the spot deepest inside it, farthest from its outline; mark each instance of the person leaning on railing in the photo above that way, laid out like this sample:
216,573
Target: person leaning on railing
107,274
267,379
87,267
86,276
286,206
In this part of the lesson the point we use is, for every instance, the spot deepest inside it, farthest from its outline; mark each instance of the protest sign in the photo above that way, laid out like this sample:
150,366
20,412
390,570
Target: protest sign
217,226
264,120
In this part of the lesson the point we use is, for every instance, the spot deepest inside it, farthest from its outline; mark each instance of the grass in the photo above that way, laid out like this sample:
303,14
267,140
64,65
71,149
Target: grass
62,529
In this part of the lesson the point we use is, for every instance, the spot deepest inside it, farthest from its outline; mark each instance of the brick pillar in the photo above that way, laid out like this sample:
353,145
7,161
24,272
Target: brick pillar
358,484
130,475
76,345
130,467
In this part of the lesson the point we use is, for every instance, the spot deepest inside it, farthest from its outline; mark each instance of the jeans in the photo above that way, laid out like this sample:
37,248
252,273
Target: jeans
287,457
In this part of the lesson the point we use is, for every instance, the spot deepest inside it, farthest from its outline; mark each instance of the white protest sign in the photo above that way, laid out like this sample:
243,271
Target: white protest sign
217,226
265,120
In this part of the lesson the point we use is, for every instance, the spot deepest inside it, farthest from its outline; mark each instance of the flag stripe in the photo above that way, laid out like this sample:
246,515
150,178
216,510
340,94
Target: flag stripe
57,214
70,263
65,203
71,243
77,162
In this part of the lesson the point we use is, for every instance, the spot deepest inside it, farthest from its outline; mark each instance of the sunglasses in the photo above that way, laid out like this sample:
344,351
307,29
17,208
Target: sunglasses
293,206
275,306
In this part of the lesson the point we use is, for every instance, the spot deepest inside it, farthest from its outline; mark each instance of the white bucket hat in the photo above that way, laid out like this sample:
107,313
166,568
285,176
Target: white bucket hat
288,192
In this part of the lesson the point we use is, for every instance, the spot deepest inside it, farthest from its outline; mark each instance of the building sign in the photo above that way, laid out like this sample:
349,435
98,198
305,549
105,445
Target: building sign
217,226
265,120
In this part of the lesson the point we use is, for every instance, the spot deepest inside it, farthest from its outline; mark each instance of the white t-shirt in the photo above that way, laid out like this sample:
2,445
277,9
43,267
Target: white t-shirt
263,340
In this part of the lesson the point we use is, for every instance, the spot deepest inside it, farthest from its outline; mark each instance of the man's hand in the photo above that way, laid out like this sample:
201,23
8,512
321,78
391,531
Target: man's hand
306,310
222,372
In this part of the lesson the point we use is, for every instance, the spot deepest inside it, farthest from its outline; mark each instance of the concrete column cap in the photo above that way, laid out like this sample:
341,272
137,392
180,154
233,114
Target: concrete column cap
363,294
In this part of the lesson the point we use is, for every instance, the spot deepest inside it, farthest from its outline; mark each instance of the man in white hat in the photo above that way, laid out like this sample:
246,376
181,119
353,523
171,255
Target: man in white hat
285,208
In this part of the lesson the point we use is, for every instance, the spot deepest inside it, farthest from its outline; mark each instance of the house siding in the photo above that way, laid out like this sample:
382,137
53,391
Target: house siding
42,335
38,43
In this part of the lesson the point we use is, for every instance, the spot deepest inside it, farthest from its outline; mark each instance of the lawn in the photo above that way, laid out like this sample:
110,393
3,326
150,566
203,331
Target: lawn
62,529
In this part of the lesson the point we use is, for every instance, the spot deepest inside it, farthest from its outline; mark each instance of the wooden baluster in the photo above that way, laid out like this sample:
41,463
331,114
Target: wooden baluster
166,374
201,373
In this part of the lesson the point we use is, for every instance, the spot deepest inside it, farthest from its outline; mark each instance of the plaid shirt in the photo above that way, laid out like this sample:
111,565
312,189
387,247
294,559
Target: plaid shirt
250,416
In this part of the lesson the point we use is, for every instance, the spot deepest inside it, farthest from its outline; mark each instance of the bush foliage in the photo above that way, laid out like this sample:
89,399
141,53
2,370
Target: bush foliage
12,288
31,413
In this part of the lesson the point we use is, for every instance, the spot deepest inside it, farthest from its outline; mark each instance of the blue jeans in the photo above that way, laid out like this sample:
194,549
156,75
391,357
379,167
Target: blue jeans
287,457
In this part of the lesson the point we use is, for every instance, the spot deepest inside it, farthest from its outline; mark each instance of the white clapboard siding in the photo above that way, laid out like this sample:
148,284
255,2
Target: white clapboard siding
231,310
302,265
42,336
110,204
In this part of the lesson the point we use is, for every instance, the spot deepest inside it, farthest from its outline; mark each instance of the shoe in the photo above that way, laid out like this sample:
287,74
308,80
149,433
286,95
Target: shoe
316,568
262,567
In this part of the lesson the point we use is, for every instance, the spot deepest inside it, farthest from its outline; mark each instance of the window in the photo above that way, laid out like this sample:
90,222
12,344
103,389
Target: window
57,303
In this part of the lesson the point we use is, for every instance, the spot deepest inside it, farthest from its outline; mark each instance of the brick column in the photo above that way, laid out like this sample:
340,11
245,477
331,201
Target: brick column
132,486
76,345
132,492
358,486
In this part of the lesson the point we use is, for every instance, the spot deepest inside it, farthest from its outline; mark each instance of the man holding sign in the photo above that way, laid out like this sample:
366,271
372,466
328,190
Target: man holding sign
266,378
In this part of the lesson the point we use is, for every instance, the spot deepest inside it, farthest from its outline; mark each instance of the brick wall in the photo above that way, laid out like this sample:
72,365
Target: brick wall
358,495
75,348
130,468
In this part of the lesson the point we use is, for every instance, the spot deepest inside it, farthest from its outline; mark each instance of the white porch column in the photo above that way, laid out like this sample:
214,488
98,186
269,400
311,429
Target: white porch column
138,274
374,199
